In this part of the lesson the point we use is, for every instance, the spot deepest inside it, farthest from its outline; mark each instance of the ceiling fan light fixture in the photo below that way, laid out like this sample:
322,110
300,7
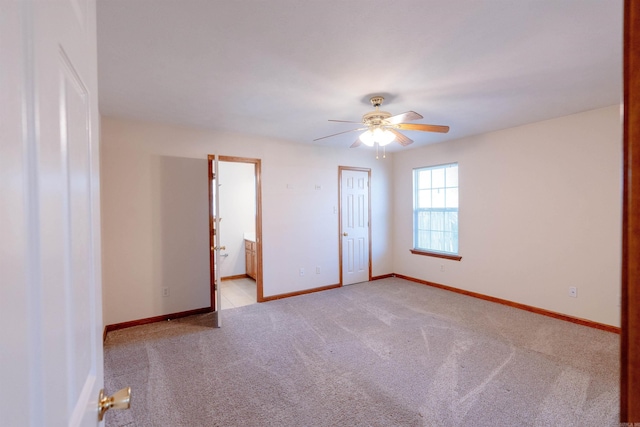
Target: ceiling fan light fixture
378,136
367,138
383,136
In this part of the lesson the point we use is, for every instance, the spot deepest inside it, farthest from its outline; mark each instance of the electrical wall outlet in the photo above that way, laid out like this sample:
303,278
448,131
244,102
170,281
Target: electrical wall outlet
317,270
573,292
302,272
165,292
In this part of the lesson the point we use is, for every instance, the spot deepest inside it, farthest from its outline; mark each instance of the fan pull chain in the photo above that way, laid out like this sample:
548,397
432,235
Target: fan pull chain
377,157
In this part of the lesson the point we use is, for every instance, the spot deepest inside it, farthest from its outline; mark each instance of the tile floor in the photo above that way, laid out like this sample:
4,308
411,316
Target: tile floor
237,293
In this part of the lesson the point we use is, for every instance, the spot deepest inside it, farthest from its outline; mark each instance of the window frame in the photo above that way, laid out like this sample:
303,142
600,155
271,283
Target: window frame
431,252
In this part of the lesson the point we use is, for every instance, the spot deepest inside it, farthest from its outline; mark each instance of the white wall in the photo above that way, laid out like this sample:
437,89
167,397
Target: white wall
238,213
540,211
155,214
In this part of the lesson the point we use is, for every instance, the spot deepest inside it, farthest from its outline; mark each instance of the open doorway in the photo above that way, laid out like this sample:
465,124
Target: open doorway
236,236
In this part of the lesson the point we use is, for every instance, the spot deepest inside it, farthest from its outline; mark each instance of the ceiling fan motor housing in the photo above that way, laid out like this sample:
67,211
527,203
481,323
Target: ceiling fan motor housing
375,118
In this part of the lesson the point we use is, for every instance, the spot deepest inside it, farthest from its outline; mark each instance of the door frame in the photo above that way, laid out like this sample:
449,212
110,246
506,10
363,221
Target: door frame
357,169
258,182
630,292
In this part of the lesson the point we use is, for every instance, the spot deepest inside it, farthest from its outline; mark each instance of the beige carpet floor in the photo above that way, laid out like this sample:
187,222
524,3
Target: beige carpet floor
384,353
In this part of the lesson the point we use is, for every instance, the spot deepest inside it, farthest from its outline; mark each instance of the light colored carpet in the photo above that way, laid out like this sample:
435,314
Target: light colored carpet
384,353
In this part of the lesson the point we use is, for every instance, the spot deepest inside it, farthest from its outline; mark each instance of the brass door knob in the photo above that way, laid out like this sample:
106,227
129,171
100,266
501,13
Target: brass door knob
222,248
345,234
121,399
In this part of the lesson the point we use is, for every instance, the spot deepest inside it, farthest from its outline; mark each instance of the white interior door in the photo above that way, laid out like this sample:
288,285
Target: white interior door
52,360
354,210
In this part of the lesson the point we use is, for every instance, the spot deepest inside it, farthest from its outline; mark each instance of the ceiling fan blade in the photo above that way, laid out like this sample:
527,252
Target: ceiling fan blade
424,128
356,144
399,118
402,139
344,121
339,133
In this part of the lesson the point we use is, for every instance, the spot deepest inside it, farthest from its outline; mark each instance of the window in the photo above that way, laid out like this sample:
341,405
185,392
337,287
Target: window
435,211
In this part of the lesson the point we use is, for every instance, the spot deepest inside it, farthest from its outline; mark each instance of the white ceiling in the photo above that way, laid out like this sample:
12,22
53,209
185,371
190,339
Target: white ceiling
281,68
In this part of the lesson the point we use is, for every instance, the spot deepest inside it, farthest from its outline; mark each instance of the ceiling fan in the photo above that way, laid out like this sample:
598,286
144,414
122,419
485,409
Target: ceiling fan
381,128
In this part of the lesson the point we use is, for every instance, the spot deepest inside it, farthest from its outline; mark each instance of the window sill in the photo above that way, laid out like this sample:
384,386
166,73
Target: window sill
435,254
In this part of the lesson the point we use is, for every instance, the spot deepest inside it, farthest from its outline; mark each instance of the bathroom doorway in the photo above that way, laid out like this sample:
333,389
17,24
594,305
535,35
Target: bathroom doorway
236,236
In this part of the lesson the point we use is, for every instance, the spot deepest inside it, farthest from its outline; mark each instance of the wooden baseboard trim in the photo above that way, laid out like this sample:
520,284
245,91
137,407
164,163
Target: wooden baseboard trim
236,277
384,276
532,309
154,319
293,294
525,307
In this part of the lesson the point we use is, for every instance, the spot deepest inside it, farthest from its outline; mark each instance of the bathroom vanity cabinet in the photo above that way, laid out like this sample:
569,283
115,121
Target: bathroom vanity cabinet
250,258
